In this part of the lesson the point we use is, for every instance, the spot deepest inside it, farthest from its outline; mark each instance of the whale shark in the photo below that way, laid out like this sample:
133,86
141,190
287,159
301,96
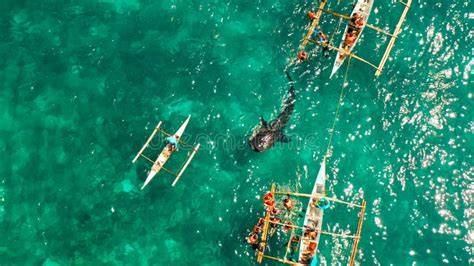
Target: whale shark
266,134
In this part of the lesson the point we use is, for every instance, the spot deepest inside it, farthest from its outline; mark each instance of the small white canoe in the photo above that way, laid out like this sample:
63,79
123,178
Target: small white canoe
164,155
352,32
313,219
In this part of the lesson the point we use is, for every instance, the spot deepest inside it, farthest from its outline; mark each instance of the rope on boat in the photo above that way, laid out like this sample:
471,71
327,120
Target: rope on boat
336,114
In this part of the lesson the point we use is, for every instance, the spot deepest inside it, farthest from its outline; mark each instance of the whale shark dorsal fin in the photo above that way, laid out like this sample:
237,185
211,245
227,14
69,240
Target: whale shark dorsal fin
263,122
284,138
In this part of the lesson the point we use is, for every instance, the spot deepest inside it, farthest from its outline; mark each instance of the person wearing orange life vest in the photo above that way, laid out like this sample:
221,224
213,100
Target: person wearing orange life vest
257,229
274,211
268,199
311,15
302,55
252,238
349,41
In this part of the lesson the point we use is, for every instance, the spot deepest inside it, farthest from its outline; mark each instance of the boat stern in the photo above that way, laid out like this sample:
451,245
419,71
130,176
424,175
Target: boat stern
150,176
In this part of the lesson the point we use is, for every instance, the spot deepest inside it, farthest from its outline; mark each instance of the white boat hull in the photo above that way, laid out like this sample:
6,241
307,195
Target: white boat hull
363,7
313,219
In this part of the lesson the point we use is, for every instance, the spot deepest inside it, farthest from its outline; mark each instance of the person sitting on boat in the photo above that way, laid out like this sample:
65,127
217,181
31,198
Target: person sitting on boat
312,234
288,203
359,22
312,246
306,256
354,18
350,38
309,227
311,15
172,143
349,41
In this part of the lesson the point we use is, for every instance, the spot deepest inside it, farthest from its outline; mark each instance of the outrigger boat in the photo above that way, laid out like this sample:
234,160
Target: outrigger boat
354,28
171,146
311,230
363,7
313,219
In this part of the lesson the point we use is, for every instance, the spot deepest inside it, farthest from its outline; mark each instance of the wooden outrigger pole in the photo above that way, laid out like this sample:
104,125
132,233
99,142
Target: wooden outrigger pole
282,260
393,36
317,230
261,248
321,195
289,242
357,238
186,164
348,18
345,52
157,128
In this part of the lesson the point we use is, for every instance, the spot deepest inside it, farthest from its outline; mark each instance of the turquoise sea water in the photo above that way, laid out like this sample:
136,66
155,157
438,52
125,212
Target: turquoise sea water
82,84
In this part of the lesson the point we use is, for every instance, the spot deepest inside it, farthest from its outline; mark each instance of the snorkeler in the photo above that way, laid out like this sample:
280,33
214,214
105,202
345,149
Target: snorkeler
302,56
268,199
288,203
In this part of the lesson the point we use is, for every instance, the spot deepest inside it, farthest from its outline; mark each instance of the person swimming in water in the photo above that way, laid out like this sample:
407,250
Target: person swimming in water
268,200
302,56
252,240
288,203
322,37
311,15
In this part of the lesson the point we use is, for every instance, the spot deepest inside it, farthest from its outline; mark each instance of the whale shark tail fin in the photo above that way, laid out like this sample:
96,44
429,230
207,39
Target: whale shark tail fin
288,76
284,139
263,122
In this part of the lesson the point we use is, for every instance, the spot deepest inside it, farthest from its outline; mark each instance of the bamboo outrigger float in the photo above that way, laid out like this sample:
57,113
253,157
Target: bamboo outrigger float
171,147
342,51
311,230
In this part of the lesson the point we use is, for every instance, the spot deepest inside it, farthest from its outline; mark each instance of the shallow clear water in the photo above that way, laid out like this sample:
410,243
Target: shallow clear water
83,84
